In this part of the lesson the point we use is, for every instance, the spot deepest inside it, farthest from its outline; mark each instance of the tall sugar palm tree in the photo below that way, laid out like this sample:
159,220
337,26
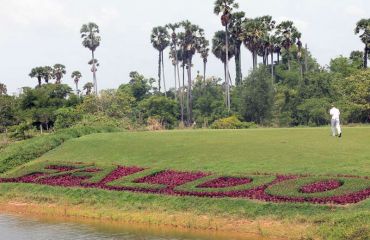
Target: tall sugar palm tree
160,41
3,89
91,40
37,72
58,72
225,7
204,52
47,73
190,44
236,30
363,28
76,75
88,87
219,50
252,34
289,35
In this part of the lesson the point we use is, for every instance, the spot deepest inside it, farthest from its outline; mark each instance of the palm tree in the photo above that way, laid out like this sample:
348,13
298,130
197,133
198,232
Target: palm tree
225,7
253,32
160,41
3,89
219,50
88,87
237,19
37,72
47,73
76,75
363,27
58,71
91,40
204,52
289,35
190,44
268,25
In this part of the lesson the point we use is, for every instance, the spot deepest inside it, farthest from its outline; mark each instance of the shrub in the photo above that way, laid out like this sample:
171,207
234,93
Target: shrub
66,117
231,123
18,154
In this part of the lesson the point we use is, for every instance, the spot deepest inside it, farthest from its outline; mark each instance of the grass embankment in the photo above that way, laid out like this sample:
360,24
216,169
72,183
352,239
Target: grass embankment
284,151
25,151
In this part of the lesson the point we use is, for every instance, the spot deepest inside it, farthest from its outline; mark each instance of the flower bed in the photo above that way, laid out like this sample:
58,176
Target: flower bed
266,187
321,186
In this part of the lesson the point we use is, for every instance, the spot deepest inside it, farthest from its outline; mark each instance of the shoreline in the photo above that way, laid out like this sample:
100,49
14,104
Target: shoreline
178,222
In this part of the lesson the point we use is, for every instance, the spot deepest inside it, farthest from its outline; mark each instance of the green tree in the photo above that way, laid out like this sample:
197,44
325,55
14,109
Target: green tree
138,86
160,41
58,72
363,28
208,101
257,97
164,109
91,40
8,109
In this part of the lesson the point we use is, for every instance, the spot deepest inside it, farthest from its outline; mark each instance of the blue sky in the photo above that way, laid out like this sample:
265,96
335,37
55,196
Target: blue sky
45,32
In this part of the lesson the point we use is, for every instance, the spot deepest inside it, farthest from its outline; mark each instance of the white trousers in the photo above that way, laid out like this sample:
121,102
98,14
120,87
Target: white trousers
335,127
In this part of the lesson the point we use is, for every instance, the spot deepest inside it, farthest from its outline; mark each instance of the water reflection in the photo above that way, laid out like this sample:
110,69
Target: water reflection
30,228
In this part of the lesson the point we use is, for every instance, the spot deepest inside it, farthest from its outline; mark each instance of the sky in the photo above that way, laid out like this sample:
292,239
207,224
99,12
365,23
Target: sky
45,32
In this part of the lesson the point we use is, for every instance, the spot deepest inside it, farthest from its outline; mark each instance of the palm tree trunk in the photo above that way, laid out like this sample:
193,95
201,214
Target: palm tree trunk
204,70
238,70
272,67
181,92
174,71
225,76
164,79
365,57
159,71
94,74
76,88
39,80
190,110
227,68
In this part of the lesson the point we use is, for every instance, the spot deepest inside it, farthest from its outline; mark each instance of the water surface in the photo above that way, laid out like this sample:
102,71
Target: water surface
42,228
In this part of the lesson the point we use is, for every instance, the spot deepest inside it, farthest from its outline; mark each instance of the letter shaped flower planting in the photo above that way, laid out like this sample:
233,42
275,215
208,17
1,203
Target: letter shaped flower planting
264,187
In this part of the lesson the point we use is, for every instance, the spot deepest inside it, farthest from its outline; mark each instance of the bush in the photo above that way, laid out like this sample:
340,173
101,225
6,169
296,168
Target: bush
66,117
21,153
232,123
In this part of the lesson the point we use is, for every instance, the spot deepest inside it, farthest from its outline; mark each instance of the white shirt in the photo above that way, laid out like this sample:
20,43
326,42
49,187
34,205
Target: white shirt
334,112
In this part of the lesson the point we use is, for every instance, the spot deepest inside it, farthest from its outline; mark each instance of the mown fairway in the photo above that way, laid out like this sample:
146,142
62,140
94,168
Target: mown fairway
309,150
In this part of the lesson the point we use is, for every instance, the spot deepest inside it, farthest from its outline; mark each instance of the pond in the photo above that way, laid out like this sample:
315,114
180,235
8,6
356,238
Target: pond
43,228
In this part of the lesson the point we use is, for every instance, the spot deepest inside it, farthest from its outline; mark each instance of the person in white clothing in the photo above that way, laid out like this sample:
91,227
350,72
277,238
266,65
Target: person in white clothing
335,123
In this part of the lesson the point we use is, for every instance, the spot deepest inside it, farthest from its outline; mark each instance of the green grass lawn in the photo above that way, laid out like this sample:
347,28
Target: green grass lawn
289,151
310,150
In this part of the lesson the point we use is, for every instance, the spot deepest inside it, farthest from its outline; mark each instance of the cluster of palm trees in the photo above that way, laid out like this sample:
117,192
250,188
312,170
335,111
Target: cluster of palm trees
47,73
91,40
186,39
261,36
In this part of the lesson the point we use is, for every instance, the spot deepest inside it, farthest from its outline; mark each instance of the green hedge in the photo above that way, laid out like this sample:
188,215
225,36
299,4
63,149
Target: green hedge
25,151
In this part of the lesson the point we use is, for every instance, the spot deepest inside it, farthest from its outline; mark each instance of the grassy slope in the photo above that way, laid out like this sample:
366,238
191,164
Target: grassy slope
262,150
